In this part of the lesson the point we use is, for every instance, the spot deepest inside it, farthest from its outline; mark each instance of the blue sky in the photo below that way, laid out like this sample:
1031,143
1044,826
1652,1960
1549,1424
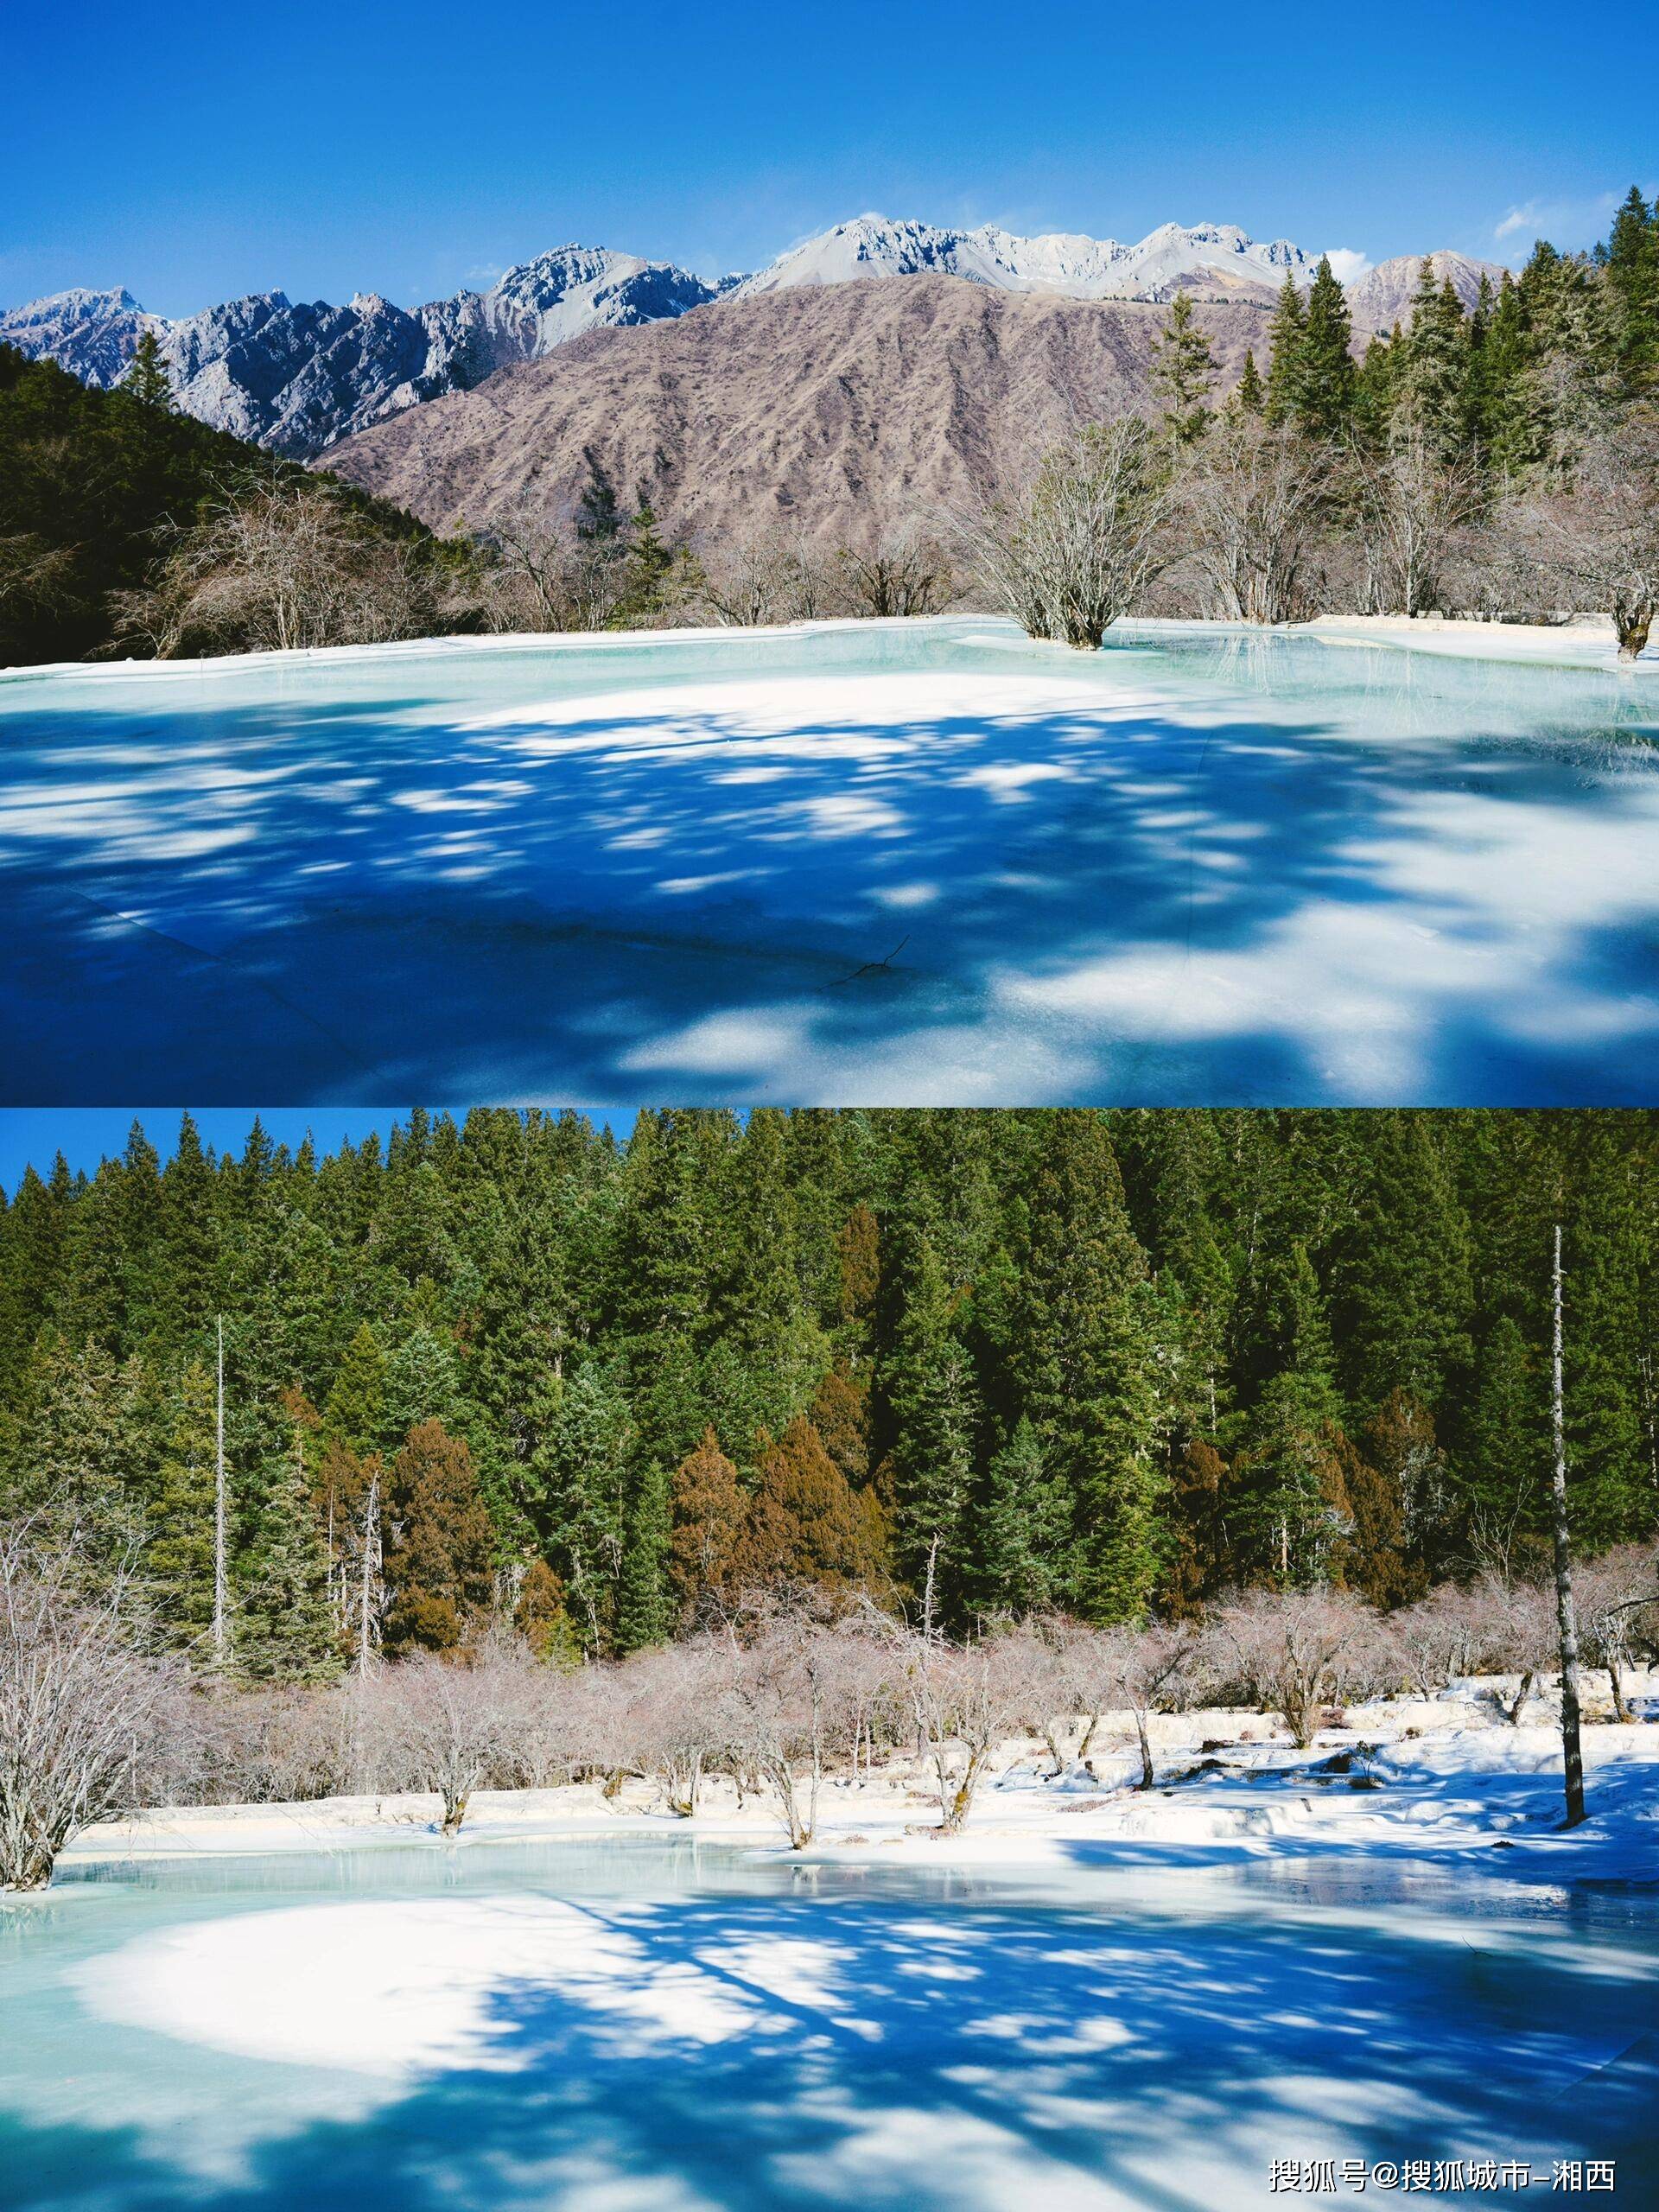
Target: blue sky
198,151
85,1134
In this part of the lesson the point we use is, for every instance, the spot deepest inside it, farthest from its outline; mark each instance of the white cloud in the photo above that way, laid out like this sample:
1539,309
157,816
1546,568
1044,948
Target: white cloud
1348,263
1570,223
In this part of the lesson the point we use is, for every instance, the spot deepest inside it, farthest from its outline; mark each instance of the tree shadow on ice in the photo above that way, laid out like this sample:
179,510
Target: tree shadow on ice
1134,902
775,2053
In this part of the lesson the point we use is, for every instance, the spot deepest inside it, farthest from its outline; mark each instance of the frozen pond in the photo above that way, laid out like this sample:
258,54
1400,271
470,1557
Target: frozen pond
902,863
645,2025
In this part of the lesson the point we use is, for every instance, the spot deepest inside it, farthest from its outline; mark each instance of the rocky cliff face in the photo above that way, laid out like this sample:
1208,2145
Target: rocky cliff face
90,334
298,377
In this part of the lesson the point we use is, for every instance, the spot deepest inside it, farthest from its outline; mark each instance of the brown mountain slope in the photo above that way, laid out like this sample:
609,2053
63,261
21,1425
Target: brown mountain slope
1384,296
826,409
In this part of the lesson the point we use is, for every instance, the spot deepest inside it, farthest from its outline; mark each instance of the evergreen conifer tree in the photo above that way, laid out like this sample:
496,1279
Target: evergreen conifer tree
1285,336
644,1605
1086,1365
179,1557
287,1631
1324,400
1630,261
145,377
933,1414
439,1563
708,1511
1019,1532
1183,373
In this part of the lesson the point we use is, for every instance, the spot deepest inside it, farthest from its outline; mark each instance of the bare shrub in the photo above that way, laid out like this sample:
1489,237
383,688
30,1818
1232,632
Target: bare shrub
278,563
1597,537
1296,1651
89,1720
450,1725
1074,545
1415,506
1248,503
273,1746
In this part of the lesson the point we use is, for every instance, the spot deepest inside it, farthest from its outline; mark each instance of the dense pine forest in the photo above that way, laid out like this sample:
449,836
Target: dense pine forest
1105,1362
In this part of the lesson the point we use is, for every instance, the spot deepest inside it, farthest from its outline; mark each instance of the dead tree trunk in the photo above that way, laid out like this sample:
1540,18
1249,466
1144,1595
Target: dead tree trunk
371,1530
221,1581
1572,1750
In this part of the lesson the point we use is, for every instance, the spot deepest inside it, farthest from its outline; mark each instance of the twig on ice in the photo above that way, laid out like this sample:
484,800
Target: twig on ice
871,967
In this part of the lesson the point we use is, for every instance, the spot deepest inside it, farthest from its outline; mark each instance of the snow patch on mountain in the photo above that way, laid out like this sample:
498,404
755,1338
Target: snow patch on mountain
1217,257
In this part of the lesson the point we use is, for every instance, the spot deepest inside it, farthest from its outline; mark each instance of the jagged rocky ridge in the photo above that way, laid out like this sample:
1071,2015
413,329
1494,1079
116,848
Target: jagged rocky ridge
299,377
296,376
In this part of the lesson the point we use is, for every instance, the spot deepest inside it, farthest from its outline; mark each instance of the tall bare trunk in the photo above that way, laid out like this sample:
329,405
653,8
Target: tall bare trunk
371,1531
221,1625
1572,1751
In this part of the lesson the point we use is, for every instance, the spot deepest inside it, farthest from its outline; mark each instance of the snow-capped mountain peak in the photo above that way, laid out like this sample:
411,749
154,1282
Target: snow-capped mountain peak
297,377
1212,256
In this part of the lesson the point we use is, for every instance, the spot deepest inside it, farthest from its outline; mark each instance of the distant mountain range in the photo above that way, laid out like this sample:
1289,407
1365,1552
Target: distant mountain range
300,377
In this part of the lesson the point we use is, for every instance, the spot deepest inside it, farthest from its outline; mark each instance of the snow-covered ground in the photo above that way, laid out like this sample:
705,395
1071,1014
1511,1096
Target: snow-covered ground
1450,1777
893,863
1585,642
1379,1950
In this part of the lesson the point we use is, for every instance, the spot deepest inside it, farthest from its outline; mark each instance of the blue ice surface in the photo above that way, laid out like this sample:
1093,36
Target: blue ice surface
889,864
1127,2030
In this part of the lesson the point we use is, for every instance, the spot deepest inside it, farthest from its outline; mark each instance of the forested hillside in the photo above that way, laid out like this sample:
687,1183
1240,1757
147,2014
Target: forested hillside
1087,1359
97,488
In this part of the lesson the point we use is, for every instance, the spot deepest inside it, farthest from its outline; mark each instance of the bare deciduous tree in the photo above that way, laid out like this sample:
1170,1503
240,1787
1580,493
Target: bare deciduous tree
678,1712
1249,501
543,576
1415,505
1296,1651
88,1717
1618,1613
961,1700
899,571
1074,545
279,563
1597,537
794,1701
1438,1639
448,1725
1157,1668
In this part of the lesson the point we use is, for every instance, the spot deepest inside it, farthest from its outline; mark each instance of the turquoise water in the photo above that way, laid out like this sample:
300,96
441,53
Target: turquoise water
906,864
1100,2033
